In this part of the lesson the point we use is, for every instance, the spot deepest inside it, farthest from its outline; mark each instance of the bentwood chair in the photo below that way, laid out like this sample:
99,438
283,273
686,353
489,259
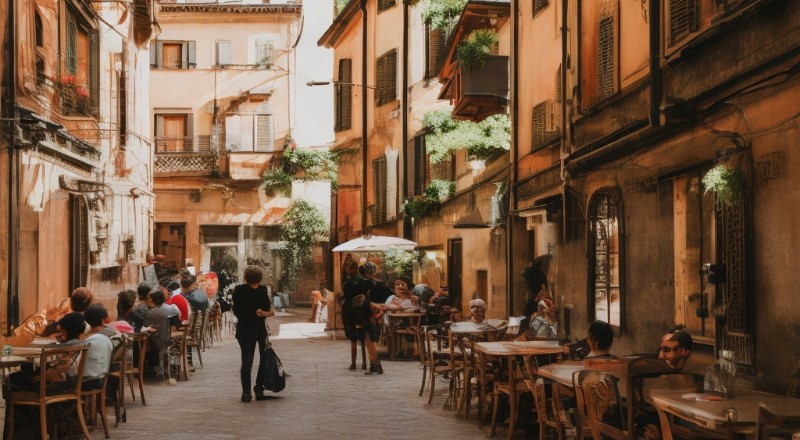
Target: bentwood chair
135,369
46,396
437,359
503,386
119,363
94,401
604,408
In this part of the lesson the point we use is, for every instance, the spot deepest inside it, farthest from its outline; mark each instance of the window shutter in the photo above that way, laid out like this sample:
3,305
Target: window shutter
392,183
190,56
343,96
415,170
439,42
94,72
79,242
683,19
606,55
428,51
72,46
264,137
537,125
379,188
154,54
391,76
380,79
558,84
189,136
223,53
247,132
233,132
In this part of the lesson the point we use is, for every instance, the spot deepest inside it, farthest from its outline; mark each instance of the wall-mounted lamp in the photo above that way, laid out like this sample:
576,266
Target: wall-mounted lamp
313,83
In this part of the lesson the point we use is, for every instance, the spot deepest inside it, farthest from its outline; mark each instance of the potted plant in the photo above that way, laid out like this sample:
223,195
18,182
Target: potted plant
476,48
726,183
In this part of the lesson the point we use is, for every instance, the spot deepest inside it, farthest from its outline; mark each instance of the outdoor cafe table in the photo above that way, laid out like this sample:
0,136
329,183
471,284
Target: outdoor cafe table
397,319
509,350
475,332
712,414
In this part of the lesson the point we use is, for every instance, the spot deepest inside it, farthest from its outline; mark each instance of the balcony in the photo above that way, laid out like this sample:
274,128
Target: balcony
477,94
177,156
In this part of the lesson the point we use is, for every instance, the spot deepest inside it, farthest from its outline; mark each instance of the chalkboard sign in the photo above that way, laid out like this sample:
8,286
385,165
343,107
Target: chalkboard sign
148,275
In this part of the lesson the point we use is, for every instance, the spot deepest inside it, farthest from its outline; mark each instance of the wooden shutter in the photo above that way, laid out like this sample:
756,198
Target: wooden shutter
154,58
434,51
683,19
380,79
558,84
189,136
385,4
94,72
79,242
379,187
415,170
264,138
607,53
72,45
344,95
387,77
223,53
544,123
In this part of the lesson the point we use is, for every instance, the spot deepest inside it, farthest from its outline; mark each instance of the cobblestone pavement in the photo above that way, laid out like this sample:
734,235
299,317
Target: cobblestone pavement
322,400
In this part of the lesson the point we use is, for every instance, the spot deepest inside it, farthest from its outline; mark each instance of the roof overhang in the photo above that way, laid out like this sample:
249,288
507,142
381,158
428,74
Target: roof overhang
348,16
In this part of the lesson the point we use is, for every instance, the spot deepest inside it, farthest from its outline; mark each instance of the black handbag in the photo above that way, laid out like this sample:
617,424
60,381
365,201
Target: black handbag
274,377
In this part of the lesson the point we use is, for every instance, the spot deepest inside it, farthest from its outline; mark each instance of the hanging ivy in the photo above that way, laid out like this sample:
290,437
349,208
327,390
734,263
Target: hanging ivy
431,200
482,140
441,14
727,184
303,226
300,164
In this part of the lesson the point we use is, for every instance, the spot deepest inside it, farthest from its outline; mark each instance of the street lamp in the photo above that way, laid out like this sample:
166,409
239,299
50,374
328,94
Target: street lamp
313,83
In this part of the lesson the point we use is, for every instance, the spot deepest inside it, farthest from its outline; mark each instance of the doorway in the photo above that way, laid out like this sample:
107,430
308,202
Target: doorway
170,241
454,270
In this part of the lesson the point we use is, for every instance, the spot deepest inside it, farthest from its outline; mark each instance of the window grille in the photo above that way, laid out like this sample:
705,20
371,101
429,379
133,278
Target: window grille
544,124
606,293
606,58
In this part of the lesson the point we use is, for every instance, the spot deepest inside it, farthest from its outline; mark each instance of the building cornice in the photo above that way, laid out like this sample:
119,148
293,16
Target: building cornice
231,8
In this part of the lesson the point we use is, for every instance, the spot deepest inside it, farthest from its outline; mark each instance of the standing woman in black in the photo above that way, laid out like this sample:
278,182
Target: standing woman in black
251,307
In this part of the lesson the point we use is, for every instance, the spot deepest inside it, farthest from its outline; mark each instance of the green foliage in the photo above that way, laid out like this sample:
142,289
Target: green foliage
482,140
473,51
431,200
398,261
303,165
441,14
276,180
303,226
727,184
340,5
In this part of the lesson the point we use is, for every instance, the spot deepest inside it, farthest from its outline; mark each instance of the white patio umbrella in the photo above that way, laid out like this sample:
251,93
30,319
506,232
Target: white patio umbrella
375,243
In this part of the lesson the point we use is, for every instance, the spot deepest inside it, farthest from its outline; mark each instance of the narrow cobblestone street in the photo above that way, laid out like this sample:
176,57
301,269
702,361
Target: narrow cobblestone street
322,399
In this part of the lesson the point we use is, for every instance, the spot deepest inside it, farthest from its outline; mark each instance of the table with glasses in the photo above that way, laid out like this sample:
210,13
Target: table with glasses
733,415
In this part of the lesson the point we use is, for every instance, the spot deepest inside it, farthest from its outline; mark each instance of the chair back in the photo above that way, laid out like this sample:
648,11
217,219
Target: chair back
603,404
794,386
774,422
69,358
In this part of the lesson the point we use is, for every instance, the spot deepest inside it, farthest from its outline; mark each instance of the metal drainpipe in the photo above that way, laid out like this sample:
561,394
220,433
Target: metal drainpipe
10,115
363,7
404,116
512,170
655,64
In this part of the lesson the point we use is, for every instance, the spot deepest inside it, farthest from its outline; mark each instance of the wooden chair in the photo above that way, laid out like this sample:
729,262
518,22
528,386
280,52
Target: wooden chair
94,400
794,386
119,363
438,361
776,423
603,404
178,354
503,386
196,336
45,397
457,370
546,418
136,368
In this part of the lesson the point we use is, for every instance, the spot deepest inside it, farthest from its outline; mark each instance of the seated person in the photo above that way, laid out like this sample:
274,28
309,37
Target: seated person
98,356
477,308
543,322
136,318
158,326
600,338
126,300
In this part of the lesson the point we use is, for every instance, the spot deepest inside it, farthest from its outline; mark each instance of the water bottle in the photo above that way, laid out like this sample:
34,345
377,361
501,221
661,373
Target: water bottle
7,350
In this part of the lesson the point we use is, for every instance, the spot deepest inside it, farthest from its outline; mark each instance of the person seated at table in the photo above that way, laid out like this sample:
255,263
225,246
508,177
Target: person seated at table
79,300
172,293
675,348
477,308
158,326
543,322
432,302
126,300
136,318
599,339
98,356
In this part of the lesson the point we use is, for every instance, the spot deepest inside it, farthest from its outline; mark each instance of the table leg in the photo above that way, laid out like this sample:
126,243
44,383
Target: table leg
482,391
512,390
666,431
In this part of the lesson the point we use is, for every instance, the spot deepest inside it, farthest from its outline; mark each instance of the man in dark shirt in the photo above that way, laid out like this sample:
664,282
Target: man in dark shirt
198,300
353,286
378,293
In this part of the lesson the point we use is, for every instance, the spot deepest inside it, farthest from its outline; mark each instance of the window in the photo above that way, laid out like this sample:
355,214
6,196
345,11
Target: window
538,5
435,40
544,125
249,132
173,132
122,101
385,4
344,96
222,53
79,241
173,55
683,19
607,51
264,52
80,85
606,257
415,154
40,74
386,78
379,182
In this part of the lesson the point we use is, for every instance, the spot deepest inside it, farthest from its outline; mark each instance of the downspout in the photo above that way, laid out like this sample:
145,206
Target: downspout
9,114
655,64
566,148
406,221
363,7
512,170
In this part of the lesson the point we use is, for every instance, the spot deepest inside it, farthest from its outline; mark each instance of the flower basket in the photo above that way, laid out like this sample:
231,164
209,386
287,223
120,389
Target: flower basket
727,184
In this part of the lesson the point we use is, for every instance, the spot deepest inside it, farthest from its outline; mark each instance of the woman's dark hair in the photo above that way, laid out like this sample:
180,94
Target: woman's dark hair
95,314
125,301
157,297
602,333
253,274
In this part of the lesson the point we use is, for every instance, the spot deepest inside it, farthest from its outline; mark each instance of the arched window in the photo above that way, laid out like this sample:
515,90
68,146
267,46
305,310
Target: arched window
606,258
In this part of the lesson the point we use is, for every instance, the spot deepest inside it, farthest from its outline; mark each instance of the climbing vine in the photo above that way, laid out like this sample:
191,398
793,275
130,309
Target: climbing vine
303,226
300,164
482,139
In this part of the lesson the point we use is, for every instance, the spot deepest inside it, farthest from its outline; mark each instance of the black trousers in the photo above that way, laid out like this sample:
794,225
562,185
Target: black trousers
248,347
